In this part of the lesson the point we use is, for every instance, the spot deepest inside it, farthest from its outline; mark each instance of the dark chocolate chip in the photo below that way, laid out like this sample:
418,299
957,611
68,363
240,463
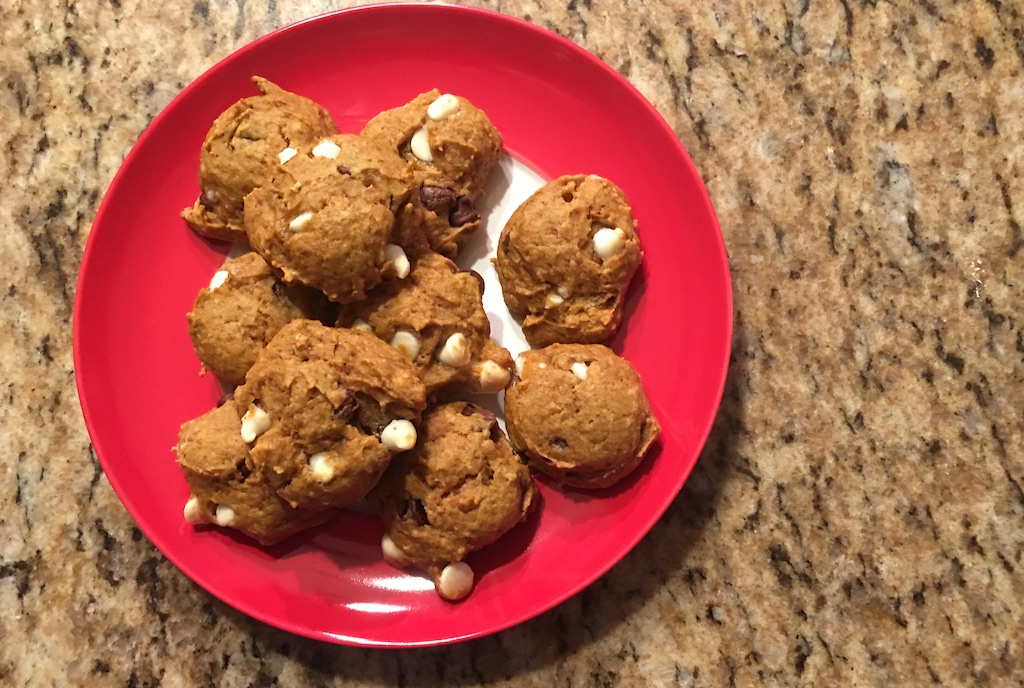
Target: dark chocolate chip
205,202
435,196
480,279
343,169
347,409
415,512
463,213
559,442
474,410
371,415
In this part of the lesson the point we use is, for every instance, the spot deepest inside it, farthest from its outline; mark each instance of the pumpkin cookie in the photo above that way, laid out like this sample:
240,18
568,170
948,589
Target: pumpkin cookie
325,228
436,318
579,414
565,259
323,410
241,310
460,489
453,147
243,148
226,490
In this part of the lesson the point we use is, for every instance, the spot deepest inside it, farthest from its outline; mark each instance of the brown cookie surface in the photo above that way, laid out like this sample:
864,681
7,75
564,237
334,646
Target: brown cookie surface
436,318
460,489
323,410
241,310
225,487
579,414
243,149
322,227
453,147
565,259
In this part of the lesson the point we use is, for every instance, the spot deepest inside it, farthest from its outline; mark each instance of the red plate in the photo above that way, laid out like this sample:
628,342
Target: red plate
559,108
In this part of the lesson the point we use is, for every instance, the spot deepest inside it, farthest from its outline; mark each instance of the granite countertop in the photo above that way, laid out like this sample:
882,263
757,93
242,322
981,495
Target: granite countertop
857,516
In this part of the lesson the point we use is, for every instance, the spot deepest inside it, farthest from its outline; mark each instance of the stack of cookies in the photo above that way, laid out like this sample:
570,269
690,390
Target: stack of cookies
347,332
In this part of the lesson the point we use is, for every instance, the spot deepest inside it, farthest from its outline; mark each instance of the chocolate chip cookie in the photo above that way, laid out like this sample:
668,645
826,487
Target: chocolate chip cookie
226,490
243,148
436,318
579,414
322,227
565,259
241,310
323,410
460,489
453,147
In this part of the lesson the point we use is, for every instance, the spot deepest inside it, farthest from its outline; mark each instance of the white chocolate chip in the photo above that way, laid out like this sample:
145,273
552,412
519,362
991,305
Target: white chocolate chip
394,255
300,220
408,343
609,242
579,369
194,511
563,292
362,326
326,149
493,377
455,581
443,108
392,554
225,516
553,300
455,351
319,467
398,436
542,365
255,422
218,279
520,362
286,155
420,146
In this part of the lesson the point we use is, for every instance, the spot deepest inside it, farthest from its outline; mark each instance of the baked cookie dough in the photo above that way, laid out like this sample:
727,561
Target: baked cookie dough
453,147
226,490
241,151
436,318
565,259
579,414
460,489
323,410
241,310
367,160
324,228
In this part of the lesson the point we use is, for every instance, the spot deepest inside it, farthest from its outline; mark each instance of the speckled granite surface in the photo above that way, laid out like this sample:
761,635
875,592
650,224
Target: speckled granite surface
857,517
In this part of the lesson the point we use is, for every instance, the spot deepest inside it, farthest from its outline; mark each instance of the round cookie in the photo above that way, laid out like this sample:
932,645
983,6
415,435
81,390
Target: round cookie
453,147
460,489
226,489
436,318
241,310
565,259
242,150
579,414
323,410
324,228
